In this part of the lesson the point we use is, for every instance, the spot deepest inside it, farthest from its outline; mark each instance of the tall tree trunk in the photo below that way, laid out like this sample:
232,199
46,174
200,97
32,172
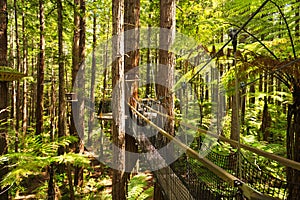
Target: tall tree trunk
81,85
61,96
51,191
40,73
132,22
3,93
118,129
148,85
25,70
18,64
243,103
234,135
266,121
252,94
33,87
235,123
75,61
75,68
293,140
297,22
92,90
165,69
293,129
105,75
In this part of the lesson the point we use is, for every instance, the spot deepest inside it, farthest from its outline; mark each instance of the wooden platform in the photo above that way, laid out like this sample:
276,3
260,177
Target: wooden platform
105,116
10,76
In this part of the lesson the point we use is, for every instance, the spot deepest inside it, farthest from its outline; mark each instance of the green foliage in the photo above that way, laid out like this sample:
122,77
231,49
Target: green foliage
138,188
35,156
207,22
8,69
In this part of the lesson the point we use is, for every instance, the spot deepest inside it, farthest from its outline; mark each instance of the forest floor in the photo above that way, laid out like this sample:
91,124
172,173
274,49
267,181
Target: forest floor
97,185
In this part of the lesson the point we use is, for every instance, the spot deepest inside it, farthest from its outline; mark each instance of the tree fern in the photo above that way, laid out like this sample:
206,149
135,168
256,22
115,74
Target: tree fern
35,156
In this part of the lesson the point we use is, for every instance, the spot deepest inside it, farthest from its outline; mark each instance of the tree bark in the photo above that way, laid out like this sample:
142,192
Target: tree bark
234,135
61,96
75,68
118,129
40,73
3,92
165,70
293,140
81,85
252,94
25,70
293,128
131,45
18,89
93,79
148,84
75,61
266,121
297,22
235,123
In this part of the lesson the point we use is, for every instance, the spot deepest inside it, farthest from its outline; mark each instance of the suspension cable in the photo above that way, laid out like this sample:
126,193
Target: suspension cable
272,72
282,160
248,192
238,31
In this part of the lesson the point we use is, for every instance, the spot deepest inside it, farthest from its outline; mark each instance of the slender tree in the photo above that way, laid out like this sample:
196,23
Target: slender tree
131,44
166,67
25,70
75,60
18,67
75,68
40,72
148,85
3,92
118,128
61,97
93,79
81,85
51,190
165,71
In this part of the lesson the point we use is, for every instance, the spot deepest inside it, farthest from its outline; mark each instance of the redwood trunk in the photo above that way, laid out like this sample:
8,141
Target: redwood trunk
165,71
118,128
40,73
81,102
18,63
61,97
25,70
93,80
3,93
75,61
131,25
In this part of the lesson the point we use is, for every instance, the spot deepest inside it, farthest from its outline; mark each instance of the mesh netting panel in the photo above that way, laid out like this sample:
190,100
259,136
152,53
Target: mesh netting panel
263,180
171,185
227,162
201,182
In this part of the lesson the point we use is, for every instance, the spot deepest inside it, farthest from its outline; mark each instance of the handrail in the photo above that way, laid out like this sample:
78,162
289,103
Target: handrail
227,177
282,160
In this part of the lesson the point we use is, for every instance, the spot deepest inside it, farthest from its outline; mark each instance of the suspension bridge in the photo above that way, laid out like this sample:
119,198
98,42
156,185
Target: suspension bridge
214,176
211,175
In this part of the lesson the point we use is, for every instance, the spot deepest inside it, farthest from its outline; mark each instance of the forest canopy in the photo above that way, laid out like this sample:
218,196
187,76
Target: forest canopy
210,77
